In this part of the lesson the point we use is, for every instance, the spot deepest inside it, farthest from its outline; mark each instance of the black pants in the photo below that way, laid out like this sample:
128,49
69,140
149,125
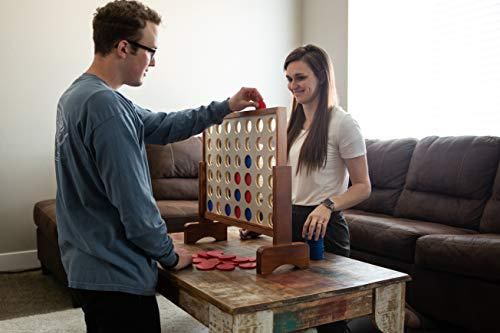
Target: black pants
337,241
107,311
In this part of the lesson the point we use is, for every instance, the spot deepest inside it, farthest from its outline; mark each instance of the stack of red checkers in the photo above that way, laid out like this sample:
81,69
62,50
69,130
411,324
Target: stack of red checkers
262,105
209,260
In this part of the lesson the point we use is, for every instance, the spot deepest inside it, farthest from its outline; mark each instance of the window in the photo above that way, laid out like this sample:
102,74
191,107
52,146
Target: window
428,67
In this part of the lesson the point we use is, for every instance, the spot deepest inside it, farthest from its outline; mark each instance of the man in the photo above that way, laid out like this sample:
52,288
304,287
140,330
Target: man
111,234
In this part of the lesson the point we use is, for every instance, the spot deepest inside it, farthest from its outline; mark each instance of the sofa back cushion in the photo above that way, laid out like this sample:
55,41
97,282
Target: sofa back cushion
490,222
450,179
174,169
388,162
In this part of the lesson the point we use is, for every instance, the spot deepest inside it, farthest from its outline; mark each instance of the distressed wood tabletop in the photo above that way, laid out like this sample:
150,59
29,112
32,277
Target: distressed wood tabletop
243,291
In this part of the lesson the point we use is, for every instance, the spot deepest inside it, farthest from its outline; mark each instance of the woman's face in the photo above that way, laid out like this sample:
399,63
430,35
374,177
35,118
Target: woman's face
302,82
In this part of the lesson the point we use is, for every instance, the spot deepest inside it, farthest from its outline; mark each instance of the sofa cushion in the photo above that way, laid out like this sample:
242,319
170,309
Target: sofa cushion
490,221
44,215
468,255
175,188
388,163
449,180
389,236
177,213
175,160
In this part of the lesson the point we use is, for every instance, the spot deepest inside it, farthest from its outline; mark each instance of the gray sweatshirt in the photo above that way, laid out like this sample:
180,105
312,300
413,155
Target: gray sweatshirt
110,231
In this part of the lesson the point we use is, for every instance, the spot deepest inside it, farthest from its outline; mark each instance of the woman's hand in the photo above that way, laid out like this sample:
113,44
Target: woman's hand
316,223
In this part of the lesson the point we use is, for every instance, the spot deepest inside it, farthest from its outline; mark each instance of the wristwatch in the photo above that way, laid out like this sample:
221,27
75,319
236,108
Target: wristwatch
329,204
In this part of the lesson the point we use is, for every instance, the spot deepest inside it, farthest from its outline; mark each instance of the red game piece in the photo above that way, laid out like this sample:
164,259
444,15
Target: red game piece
227,257
198,260
225,267
247,265
239,260
206,265
215,253
262,105
203,254
251,259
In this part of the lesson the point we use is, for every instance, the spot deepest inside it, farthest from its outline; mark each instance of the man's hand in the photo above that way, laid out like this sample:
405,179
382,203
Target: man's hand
244,98
184,261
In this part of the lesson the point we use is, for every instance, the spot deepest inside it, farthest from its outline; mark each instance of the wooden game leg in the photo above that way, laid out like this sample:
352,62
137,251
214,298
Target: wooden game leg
271,257
195,231
389,308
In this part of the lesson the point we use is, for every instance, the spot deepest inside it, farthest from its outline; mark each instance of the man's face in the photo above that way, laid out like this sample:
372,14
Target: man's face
137,64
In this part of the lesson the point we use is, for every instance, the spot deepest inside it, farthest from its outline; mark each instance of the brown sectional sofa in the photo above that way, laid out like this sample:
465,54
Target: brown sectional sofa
434,213
174,178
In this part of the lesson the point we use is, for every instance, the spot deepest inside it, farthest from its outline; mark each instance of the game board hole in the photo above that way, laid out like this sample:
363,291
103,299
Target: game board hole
237,145
271,125
210,130
270,182
259,180
210,175
228,177
247,144
218,160
237,161
260,125
260,162
227,144
228,193
258,144
260,217
210,191
218,129
248,126
219,210
228,161
238,127
218,144
227,127
271,162
209,159
270,201
218,176
259,199
270,219
270,144
218,192
209,144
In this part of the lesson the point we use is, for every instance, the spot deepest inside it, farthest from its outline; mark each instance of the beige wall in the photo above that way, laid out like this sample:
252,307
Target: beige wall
325,24
207,50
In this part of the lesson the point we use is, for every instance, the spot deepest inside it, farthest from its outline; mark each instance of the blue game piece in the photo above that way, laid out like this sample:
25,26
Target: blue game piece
248,214
210,205
237,195
248,161
228,209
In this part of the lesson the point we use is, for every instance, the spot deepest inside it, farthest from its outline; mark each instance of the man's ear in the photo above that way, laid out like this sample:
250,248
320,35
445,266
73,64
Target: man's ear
121,49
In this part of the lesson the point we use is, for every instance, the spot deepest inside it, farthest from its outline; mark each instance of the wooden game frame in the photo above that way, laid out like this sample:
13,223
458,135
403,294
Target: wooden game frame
283,251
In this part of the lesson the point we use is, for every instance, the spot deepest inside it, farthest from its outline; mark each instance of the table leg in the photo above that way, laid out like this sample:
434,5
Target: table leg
258,322
389,308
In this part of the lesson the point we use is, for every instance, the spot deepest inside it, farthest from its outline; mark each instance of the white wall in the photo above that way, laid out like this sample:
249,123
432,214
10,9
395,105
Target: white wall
325,24
207,50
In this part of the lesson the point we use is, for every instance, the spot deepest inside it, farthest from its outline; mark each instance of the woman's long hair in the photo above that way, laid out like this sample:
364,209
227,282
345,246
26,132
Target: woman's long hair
314,149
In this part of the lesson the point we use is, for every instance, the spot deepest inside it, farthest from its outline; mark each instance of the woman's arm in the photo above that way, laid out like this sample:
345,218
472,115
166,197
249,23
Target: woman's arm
361,186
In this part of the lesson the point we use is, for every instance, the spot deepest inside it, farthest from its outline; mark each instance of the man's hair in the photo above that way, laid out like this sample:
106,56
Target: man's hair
119,20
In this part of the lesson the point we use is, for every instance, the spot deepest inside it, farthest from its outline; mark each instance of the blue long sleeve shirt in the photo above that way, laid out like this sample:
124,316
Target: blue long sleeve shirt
110,231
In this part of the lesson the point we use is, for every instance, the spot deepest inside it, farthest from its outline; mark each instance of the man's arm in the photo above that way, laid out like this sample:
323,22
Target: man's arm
117,153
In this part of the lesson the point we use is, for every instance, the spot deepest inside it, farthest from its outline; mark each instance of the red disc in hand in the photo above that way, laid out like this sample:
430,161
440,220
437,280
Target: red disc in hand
247,265
262,105
225,267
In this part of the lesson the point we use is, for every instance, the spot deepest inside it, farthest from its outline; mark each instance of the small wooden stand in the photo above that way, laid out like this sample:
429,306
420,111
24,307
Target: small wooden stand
283,251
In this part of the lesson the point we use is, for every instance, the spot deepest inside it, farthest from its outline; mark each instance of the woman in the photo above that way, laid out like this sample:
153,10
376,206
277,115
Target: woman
325,149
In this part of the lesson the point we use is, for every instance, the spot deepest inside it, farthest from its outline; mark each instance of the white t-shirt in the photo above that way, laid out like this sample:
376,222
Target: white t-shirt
344,141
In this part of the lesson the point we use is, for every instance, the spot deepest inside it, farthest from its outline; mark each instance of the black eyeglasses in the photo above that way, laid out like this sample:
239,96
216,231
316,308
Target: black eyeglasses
144,47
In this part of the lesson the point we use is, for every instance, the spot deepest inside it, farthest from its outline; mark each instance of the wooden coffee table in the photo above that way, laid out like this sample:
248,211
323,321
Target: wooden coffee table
333,289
